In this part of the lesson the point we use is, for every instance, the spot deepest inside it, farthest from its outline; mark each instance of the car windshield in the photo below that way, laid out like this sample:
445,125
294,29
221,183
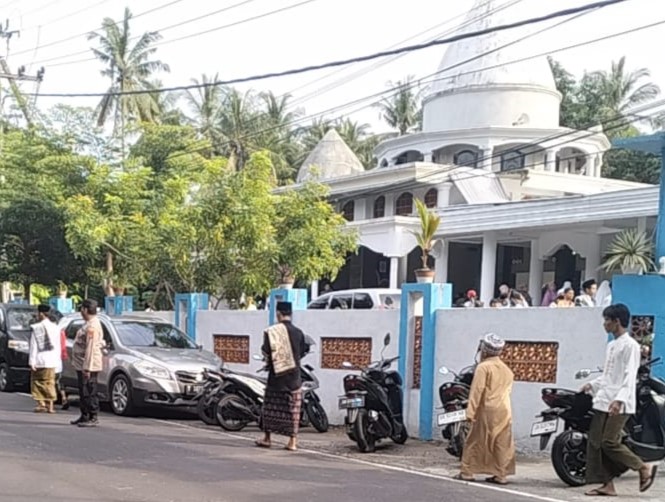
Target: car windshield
152,334
18,319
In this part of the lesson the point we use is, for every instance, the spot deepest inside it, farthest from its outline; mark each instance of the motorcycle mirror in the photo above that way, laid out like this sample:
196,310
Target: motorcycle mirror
257,357
582,374
444,371
386,340
347,364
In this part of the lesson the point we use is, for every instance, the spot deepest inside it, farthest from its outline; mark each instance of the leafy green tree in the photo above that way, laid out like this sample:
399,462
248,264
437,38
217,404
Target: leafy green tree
312,240
205,104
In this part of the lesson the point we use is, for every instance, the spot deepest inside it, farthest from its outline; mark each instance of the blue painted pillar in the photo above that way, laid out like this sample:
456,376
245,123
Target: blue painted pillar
116,305
434,297
186,306
297,297
643,295
660,225
62,305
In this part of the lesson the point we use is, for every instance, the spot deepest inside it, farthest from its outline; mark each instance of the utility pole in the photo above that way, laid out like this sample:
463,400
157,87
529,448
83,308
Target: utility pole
6,73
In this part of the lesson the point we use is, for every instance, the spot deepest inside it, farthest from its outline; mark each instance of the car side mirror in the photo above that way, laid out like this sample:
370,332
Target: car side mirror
347,365
444,371
257,357
582,374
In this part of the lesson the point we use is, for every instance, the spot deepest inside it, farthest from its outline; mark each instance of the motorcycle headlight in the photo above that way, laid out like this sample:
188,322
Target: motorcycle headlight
152,370
19,345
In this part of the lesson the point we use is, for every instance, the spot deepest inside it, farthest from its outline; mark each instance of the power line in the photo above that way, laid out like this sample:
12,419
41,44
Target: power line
78,35
160,30
65,16
306,69
361,72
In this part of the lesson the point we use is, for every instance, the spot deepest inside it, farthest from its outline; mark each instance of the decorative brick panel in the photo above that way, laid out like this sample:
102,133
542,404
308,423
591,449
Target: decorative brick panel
534,362
334,351
232,348
417,351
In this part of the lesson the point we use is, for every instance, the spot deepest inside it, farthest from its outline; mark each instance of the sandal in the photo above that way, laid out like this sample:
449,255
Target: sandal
261,443
459,477
495,481
646,483
597,493
289,448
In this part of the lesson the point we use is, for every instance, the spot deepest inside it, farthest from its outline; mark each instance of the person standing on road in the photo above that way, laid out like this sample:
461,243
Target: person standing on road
489,447
87,359
283,347
44,360
614,400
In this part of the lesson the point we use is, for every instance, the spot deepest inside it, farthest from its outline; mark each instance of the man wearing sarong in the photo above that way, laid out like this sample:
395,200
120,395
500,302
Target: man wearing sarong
283,347
489,448
87,359
44,360
614,400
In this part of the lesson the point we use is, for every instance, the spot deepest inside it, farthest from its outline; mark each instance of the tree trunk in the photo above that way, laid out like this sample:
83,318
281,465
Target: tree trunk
108,283
27,286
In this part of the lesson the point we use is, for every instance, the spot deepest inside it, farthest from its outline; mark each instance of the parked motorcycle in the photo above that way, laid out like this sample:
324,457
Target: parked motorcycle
373,402
209,395
644,432
241,399
454,396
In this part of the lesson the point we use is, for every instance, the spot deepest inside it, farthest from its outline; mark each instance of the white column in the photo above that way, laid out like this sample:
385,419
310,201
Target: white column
488,268
485,160
593,257
550,162
360,209
598,165
441,263
535,273
390,204
642,224
428,157
403,270
394,270
314,289
443,195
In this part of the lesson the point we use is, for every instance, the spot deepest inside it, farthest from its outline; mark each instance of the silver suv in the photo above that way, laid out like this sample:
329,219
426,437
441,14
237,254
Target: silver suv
148,362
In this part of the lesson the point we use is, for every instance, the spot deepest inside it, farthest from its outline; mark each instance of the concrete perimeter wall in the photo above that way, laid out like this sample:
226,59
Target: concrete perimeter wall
578,331
372,324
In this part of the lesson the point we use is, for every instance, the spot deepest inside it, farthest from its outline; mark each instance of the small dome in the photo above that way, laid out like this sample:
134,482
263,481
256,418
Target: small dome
331,158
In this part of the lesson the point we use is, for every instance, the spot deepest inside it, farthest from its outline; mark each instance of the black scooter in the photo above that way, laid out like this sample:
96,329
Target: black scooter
644,432
208,396
373,402
454,398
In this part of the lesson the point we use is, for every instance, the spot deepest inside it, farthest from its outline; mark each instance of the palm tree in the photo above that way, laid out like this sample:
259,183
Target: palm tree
205,102
129,67
401,110
623,90
239,123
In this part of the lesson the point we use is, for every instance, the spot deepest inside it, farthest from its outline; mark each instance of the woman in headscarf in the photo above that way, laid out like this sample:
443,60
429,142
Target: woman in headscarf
489,448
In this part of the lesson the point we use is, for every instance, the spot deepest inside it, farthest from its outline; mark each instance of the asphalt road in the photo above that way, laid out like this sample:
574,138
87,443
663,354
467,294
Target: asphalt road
42,457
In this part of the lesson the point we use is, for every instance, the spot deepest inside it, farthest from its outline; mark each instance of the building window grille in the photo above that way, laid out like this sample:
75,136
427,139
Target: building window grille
432,198
404,204
348,210
380,207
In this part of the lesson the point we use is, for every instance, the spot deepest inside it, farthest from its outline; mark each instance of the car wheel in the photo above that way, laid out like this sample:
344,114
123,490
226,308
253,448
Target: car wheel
121,396
5,382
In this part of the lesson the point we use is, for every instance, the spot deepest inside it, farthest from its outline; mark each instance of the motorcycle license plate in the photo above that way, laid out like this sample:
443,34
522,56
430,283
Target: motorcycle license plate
451,417
542,428
351,402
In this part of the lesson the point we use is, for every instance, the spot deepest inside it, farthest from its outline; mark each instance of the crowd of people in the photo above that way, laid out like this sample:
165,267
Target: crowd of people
591,295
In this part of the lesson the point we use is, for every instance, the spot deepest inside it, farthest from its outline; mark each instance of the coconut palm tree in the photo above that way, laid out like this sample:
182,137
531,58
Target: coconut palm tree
240,125
205,103
402,110
129,67
622,89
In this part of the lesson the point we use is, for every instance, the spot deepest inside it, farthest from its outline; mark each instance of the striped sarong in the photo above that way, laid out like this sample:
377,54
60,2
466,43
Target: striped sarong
281,412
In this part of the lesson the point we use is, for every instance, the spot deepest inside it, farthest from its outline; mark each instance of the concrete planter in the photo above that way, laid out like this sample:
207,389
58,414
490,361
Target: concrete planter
424,275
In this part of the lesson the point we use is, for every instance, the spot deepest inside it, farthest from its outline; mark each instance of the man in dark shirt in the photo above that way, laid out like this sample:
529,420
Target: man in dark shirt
283,347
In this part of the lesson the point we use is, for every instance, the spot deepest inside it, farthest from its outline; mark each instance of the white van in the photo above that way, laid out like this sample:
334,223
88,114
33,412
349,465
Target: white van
370,299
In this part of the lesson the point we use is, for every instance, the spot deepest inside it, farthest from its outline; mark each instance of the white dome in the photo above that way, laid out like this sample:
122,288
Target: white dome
488,91
331,158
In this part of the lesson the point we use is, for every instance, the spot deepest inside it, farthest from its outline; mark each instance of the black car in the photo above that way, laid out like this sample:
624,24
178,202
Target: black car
15,320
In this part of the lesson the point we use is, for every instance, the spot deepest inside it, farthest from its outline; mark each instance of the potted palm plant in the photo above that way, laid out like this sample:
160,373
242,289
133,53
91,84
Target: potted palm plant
429,224
631,252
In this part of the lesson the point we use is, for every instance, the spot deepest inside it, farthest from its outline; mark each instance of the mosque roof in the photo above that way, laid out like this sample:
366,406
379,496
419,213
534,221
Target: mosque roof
331,158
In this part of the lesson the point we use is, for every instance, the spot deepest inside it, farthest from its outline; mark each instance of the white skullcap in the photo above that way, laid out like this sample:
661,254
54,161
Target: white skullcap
492,344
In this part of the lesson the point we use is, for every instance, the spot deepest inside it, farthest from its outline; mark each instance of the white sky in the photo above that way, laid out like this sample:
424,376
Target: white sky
309,34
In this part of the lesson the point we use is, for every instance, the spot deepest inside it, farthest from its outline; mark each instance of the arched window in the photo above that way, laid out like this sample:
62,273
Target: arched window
404,204
432,198
380,207
348,210
466,158
512,160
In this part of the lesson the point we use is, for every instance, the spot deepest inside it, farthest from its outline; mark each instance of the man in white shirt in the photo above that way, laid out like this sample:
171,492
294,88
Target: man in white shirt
44,360
614,400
